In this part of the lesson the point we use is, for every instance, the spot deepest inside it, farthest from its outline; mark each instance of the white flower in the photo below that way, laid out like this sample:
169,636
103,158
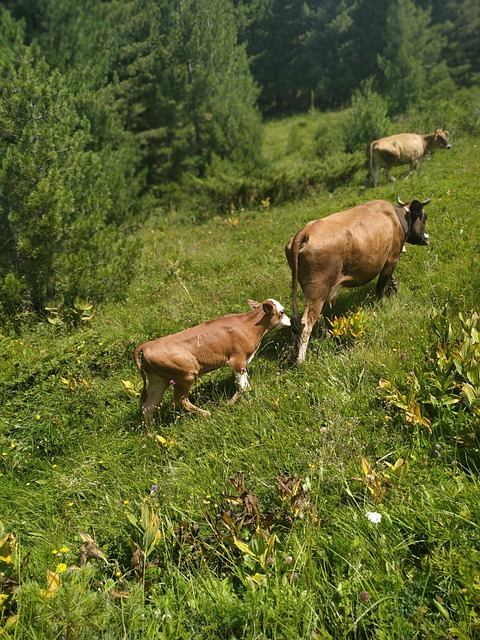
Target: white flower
374,516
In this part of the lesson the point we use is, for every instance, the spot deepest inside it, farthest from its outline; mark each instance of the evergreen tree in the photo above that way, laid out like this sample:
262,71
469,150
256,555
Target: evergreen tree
172,70
220,96
58,209
462,21
413,70
274,31
184,86
298,49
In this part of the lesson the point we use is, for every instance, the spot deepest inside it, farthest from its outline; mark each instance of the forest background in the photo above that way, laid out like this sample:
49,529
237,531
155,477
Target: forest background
108,107
154,159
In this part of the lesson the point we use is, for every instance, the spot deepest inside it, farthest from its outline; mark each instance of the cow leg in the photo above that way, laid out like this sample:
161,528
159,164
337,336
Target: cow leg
393,285
376,172
180,396
153,397
310,316
384,278
388,176
413,169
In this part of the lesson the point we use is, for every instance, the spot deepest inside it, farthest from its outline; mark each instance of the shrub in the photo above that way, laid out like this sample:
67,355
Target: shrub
367,119
444,396
60,215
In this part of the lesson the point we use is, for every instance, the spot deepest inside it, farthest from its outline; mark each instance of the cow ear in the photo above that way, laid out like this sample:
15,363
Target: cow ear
268,307
253,304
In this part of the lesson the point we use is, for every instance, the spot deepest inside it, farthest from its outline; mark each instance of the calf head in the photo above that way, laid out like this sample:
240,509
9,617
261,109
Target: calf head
416,222
274,314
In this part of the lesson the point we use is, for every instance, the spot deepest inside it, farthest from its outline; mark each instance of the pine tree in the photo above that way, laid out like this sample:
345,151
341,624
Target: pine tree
184,87
58,217
274,33
413,70
461,19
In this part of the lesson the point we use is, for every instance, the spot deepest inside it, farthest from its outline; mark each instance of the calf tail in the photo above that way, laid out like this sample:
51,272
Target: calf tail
139,363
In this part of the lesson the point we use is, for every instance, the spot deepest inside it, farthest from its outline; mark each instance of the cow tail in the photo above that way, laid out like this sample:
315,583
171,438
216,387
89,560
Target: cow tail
370,171
297,242
139,363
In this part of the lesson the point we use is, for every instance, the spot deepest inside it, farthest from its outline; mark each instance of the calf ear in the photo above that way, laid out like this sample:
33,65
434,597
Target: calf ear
268,307
253,304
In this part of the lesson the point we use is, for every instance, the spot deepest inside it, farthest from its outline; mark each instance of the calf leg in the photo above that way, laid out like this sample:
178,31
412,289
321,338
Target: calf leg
241,381
180,396
153,397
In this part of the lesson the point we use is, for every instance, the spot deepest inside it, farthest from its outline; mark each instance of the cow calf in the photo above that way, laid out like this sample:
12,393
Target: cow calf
179,359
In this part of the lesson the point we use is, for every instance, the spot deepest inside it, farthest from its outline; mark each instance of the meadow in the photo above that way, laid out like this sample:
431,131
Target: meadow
339,499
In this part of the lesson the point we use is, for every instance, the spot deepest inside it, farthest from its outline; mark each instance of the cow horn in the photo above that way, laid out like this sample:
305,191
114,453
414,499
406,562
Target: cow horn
402,204
426,202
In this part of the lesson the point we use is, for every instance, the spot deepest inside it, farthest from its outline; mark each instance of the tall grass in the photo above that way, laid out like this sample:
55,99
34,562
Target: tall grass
252,523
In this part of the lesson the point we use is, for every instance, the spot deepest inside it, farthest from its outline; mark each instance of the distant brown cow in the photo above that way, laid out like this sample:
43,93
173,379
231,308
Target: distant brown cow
348,249
179,359
404,148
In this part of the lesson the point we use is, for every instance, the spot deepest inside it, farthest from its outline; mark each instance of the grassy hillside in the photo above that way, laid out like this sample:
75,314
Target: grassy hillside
252,523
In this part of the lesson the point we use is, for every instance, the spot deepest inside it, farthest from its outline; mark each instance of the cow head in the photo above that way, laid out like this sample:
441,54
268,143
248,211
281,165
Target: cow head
416,218
441,139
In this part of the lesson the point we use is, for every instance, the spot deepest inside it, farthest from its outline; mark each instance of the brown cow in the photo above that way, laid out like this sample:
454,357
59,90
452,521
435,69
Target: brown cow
348,249
404,148
178,359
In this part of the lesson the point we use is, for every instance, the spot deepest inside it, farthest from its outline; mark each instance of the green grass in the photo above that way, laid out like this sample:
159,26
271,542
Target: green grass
303,138
75,457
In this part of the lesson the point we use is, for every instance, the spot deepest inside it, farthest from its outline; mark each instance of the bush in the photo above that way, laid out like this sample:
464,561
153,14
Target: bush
60,209
367,119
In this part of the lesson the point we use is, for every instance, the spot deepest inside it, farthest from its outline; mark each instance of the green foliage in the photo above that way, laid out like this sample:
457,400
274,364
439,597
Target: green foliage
445,395
341,521
58,211
349,329
367,120
172,71
145,540
414,73
167,87
306,53
9,577
75,316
